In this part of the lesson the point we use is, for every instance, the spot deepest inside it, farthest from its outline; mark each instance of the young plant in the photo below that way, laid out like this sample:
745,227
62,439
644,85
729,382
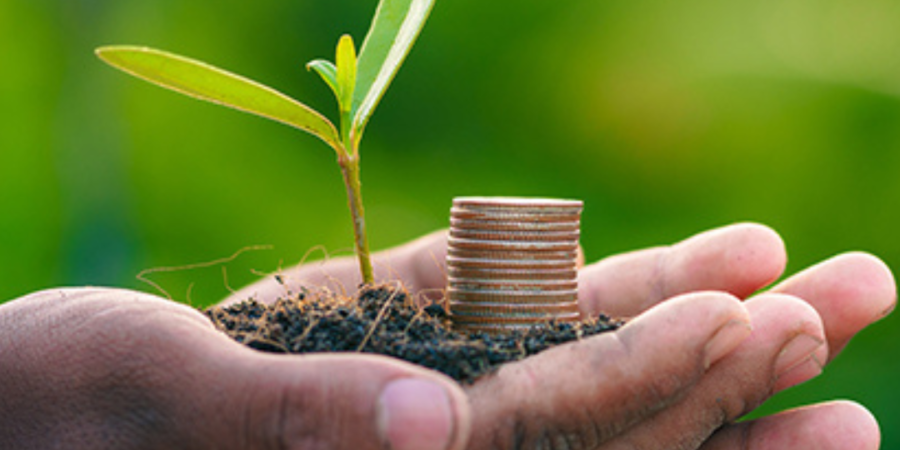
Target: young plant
358,82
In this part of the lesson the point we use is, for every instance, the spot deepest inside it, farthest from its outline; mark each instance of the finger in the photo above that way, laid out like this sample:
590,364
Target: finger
849,291
323,401
345,402
585,393
839,425
786,347
739,259
421,264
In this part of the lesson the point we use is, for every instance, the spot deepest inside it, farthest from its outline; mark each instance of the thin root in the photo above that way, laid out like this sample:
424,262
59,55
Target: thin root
143,275
378,319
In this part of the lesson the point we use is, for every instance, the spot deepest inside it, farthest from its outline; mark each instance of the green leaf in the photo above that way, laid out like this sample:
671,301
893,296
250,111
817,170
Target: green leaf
395,28
328,72
205,82
346,72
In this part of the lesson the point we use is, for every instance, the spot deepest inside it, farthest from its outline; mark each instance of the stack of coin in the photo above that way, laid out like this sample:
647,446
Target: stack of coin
511,262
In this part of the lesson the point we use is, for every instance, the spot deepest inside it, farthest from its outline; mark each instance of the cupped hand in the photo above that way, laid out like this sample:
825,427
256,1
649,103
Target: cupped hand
664,381
112,369
91,368
847,293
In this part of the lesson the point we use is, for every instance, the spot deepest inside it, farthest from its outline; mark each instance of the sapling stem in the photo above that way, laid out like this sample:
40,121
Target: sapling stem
350,170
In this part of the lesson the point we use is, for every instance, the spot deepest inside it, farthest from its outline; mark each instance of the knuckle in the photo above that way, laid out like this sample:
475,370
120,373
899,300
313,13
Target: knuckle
730,408
271,419
295,414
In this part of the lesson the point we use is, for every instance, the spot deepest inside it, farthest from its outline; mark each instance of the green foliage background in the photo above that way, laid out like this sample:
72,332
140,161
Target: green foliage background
667,118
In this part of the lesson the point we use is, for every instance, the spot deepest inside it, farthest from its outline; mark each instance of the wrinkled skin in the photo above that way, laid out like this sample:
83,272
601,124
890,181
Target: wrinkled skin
113,369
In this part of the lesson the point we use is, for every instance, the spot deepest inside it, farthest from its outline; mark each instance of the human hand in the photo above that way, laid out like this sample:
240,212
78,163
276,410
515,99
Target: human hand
112,369
162,378
847,293
648,386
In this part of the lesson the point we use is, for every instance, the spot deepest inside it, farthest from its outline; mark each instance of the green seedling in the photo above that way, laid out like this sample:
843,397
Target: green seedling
358,82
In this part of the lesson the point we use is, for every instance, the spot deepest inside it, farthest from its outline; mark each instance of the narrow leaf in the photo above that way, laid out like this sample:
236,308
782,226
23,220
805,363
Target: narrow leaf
346,72
205,82
328,72
395,28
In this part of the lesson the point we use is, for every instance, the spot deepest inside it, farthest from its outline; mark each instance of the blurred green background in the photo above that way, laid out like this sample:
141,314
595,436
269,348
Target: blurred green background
666,118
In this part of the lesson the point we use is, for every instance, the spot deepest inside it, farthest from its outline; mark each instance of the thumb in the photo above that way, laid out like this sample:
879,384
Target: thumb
337,401
103,369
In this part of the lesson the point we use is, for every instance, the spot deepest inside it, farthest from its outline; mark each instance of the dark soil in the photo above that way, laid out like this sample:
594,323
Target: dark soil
386,320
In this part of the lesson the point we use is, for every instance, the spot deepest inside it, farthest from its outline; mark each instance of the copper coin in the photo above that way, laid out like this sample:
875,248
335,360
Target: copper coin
525,319
479,284
512,225
514,236
518,217
494,329
520,255
519,204
481,273
510,297
481,263
511,245
504,310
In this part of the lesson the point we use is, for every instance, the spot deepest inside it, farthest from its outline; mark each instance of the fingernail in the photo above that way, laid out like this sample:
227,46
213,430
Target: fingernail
725,341
801,372
415,414
796,352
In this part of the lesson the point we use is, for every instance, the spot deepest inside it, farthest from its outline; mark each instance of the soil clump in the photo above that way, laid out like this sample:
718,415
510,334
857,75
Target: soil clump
386,320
